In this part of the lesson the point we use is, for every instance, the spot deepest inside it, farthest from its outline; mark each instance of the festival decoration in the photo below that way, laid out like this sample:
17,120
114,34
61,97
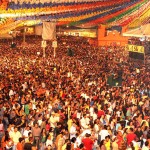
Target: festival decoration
100,18
3,4
74,13
126,19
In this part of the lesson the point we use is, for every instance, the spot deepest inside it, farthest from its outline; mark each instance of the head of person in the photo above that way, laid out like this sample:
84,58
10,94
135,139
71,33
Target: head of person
81,146
107,138
105,127
21,140
102,143
30,134
15,129
147,143
87,135
131,129
36,125
73,140
114,138
68,147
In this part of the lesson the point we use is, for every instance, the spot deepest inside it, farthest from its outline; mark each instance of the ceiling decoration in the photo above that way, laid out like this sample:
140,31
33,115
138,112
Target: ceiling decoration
111,15
3,4
143,19
123,21
85,13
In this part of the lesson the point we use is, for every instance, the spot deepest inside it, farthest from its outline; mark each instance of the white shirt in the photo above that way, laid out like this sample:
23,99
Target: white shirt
15,136
40,122
78,115
118,113
53,121
84,95
49,142
25,133
86,131
94,116
73,132
87,120
78,140
108,117
91,111
145,148
83,123
11,93
96,128
103,133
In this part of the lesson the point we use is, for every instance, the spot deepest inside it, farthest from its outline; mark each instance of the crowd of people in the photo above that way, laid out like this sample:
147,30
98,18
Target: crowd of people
66,103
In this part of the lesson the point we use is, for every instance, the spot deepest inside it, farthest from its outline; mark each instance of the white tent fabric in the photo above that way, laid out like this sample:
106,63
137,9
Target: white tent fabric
6,36
38,30
143,31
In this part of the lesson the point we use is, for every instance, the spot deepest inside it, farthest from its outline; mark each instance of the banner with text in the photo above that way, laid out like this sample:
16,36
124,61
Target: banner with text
49,31
134,48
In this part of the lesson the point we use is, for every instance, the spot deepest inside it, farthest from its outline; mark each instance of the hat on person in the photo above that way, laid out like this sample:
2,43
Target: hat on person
88,115
120,131
145,96
52,113
141,103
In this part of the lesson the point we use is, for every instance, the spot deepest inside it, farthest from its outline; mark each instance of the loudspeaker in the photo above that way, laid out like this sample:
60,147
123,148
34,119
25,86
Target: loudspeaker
70,52
112,81
13,45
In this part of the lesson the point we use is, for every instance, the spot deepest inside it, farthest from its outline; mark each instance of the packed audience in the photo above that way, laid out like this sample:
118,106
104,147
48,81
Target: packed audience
66,103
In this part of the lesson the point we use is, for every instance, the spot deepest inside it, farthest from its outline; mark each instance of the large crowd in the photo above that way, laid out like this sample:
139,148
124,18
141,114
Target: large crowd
65,102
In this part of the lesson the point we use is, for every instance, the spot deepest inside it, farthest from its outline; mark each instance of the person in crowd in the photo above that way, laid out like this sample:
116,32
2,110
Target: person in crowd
15,135
88,142
147,146
130,136
97,93
114,143
102,145
108,143
29,145
20,144
36,132
103,133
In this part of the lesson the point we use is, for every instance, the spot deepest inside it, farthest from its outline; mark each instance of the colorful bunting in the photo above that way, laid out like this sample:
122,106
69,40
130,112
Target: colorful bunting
72,12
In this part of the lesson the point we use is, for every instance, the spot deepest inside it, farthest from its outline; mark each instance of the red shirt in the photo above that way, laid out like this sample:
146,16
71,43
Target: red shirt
100,113
63,95
19,146
48,127
74,115
120,139
95,97
88,143
130,137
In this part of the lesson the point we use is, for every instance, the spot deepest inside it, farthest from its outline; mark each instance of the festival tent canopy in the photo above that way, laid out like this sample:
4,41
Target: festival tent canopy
81,13
142,31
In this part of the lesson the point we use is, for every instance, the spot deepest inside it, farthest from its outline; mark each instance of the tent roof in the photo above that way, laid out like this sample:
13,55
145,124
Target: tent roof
87,13
142,31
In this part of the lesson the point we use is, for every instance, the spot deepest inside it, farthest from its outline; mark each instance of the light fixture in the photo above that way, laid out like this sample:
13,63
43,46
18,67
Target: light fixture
10,32
142,39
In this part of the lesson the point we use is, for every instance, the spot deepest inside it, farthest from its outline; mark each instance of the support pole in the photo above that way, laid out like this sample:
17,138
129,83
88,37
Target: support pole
54,52
44,54
24,36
